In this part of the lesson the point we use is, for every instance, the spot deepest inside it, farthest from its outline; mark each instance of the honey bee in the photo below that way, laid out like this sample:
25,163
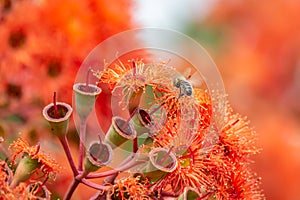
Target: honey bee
184,86
187,81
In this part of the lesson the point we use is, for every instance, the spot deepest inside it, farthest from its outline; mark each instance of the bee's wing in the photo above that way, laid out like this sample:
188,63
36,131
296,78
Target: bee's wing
196,80
187,72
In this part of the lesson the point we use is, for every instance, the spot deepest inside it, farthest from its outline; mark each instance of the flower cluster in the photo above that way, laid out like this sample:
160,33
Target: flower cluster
171,131
220,170
178,142
176,146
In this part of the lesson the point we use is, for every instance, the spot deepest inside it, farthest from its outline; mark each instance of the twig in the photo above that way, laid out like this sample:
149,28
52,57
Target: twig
122,167
66,147
81,143
95,185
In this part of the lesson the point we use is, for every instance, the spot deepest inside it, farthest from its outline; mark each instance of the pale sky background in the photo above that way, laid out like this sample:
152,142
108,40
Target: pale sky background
170,14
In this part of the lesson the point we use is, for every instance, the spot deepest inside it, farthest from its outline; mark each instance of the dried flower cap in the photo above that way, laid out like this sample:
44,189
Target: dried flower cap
142,121
162,162
99,154
58,124
120,131
85,97
189,193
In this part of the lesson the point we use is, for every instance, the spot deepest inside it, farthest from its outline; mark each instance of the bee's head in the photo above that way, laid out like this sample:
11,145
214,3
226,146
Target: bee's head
177,81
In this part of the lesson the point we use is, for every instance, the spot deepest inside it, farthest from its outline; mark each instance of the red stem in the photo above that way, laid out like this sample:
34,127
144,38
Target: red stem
124,166
135,145
87,80
71,189
157,108
100,140
76,181
130,117
165,156
95,185
168,194
55,106
81,144
66,148
134,67
41,186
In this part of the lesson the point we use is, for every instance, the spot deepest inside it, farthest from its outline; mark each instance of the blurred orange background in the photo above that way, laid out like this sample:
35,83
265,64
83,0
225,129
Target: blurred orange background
256,45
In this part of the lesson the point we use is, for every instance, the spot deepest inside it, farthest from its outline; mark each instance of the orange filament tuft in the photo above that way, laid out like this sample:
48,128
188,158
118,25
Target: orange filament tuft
38,147
112,74
131,188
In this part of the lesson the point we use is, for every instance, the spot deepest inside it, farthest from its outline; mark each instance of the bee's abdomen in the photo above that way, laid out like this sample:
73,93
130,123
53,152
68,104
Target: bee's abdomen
186,88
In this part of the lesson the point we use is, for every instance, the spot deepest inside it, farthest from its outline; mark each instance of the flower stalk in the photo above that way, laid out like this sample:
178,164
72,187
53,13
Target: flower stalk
85,97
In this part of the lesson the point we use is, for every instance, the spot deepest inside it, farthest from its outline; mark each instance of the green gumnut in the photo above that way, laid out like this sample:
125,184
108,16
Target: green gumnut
58,125
189,194
98,155
161,163
142,121
85,98
119,132
135,99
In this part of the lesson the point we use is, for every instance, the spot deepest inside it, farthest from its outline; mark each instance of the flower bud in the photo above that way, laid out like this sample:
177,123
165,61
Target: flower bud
24,170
